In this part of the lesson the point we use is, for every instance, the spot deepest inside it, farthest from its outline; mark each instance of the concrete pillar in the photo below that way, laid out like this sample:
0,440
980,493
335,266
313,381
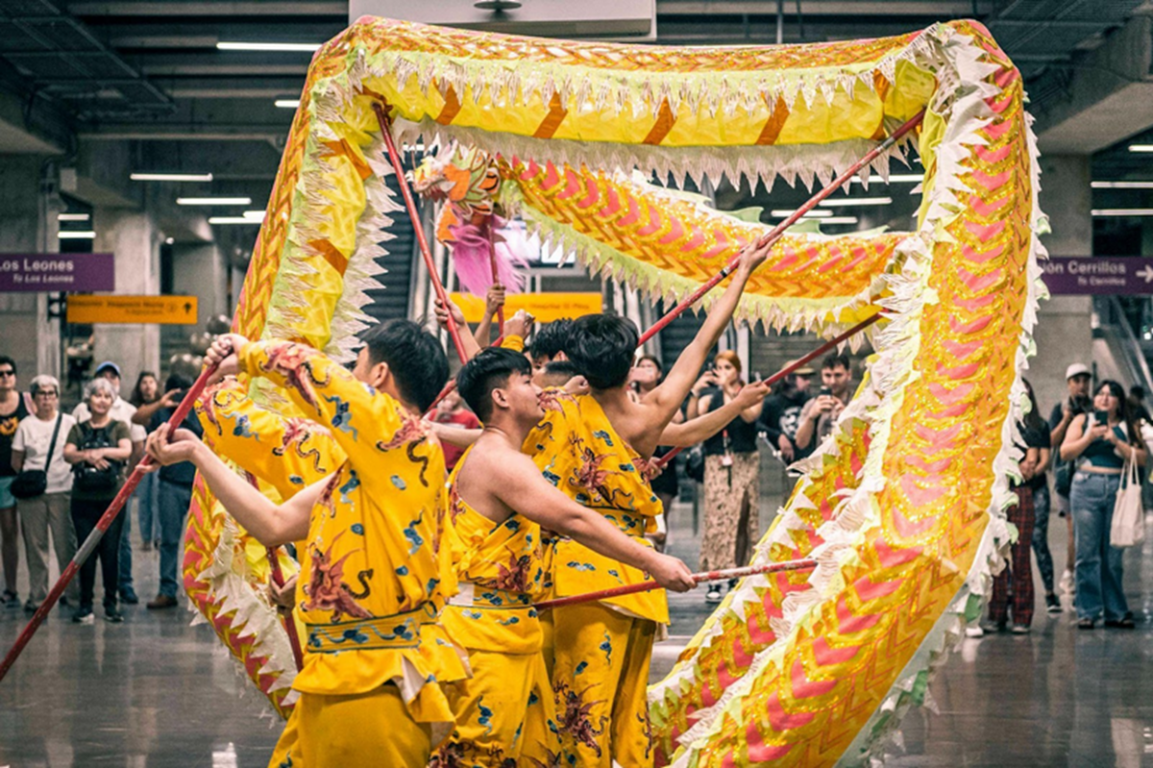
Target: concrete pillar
28,206
201,270
135,240
1063,333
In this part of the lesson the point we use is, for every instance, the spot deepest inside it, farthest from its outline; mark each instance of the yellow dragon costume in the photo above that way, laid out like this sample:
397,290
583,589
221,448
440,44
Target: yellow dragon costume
902,506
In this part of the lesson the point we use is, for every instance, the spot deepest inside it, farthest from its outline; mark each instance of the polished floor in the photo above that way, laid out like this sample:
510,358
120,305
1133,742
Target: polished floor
155,692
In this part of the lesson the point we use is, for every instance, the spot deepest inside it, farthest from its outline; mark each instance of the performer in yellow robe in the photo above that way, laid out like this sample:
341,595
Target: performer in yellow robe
592,448
498,503
288,454
378,663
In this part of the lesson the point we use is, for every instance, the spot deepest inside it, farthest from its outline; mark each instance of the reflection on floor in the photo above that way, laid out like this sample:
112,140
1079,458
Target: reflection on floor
155,692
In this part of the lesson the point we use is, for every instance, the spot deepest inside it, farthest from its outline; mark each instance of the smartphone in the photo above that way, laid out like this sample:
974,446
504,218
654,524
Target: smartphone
824,392
1101,417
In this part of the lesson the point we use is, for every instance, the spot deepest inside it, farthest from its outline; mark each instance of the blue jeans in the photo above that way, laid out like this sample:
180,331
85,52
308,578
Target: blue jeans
174,501
1044,557
146,508
1098,570
124,575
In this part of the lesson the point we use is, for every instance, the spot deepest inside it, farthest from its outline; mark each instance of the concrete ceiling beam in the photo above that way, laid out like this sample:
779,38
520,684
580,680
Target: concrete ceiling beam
1107,98
129,8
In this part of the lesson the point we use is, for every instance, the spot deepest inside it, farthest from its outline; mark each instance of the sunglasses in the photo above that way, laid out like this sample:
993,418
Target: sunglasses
8,372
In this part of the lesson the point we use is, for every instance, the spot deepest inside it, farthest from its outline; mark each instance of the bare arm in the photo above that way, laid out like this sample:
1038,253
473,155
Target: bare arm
517,482
17,460
144,413
1078,438
671,393
806,426
461,438
701,428
269,523
471,347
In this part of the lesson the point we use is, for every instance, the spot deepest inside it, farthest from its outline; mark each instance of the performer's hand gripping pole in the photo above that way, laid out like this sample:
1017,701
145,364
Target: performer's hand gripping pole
89,545
648,586
385,121
775,233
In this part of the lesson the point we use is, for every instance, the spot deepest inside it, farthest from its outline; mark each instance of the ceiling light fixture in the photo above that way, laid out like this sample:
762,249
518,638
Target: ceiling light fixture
818,214
1120,212
170,176
169,240
894,178
1121,184
254,215
77,235
233,220
1141,147
839,220
236,46
73,216
844,201
214,201
287,103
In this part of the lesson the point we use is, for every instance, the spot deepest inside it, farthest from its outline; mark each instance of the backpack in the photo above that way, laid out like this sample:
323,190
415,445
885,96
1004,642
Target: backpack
87,478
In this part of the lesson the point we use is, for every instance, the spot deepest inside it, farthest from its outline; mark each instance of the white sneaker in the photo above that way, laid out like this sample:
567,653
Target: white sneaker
713,596
1020,629
974,630
1068,584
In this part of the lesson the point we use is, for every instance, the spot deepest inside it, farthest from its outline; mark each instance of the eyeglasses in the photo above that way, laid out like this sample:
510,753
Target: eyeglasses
8,372
42,393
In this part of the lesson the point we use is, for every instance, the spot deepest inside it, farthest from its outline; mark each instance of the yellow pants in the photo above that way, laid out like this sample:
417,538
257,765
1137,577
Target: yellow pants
600,673
364,729
504,714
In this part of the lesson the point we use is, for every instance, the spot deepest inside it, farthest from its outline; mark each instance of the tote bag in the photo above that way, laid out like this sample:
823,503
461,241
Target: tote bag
1128,529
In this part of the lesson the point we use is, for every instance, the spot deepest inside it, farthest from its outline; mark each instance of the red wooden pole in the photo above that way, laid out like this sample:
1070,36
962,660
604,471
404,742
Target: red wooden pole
394,156
830,344
648,586
93,539
775,233
495,276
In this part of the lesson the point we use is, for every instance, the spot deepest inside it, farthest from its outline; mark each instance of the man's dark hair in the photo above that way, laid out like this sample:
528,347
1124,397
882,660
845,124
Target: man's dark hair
489,370
550,339
836,359
602,348
10,361
177,381
414,356
1137,392
561,368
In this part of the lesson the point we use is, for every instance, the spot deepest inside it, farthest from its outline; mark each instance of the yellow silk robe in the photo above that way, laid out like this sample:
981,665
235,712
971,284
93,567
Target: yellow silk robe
601,650
375,575
504,713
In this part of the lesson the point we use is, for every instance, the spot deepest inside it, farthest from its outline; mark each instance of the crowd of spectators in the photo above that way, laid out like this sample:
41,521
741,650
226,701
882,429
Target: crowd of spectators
60,471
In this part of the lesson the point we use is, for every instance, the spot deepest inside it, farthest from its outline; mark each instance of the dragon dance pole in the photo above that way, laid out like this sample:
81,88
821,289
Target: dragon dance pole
495,277
775,233
648,586
93,539
385,121
828,345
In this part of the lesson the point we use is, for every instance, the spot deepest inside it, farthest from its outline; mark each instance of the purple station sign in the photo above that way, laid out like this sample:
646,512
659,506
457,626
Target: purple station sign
50,272
1098,275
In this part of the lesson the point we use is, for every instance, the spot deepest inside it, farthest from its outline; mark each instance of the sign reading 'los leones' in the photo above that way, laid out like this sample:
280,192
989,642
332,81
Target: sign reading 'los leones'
46,272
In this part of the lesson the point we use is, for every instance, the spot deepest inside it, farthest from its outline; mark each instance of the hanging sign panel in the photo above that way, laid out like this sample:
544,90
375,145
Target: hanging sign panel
152,310
545,307
1098,275
50,272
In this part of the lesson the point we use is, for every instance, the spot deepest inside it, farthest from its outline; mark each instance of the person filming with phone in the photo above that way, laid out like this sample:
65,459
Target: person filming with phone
1100,442
821,413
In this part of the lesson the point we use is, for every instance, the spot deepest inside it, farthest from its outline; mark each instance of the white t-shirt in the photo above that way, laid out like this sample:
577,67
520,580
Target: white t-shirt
121,410
33,436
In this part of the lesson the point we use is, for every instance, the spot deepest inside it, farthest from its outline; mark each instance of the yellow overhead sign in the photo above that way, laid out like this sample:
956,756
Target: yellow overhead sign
160,310
545,307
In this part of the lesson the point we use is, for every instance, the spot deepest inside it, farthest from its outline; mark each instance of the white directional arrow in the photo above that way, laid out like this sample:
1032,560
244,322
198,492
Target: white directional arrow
1146,273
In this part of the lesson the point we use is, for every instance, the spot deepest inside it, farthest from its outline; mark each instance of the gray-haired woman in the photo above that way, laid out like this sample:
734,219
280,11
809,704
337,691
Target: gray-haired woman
50,510
97,449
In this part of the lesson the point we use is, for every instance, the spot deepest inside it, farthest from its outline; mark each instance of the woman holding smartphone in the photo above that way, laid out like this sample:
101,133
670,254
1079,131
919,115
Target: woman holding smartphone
732,472
1100,443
